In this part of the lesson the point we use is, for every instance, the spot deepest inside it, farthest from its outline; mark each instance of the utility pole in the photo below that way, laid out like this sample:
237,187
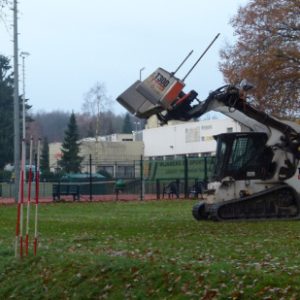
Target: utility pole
16,105
24,54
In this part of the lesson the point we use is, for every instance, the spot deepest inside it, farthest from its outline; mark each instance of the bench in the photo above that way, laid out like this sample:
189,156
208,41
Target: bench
196,189
59,190
171,190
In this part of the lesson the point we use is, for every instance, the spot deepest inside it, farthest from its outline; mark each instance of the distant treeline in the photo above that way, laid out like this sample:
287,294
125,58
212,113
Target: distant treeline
53,124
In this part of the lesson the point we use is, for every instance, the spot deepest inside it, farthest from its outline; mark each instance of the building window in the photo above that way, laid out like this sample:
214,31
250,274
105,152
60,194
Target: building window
192,135
159,157
193,155
125,172
106,169
206,127
229,129
207,138
205,154
169,157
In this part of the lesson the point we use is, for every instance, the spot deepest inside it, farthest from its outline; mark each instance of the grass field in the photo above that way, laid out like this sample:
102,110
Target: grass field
149,250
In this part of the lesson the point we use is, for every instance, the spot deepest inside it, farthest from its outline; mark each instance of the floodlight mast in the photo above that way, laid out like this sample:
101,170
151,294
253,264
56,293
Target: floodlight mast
24,54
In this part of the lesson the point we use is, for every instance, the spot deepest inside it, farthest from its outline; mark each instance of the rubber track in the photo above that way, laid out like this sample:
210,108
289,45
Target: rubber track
280,202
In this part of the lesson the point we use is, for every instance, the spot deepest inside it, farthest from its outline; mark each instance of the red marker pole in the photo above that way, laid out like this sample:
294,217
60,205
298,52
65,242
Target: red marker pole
29,197
19,224
37,181
17,227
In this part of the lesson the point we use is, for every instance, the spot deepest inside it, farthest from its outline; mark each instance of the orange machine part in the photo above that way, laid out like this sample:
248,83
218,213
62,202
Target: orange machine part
173,93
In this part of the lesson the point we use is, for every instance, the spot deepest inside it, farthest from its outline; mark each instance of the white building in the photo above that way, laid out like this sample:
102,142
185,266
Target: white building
191,138
116,153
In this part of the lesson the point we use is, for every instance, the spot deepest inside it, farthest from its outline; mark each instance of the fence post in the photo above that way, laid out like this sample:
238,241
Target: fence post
157,189
177,181
142,178
186,177
91,185
205,172
59,178
44,187
10,189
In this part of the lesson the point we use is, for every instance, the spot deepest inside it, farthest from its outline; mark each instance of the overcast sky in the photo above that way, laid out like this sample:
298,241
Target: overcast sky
73,44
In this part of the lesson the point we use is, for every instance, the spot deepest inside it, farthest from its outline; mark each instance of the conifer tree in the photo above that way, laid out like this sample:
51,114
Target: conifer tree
127,125
71,160
6,112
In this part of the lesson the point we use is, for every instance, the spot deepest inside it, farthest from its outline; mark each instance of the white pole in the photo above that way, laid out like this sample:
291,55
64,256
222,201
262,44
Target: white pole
19,223
24,54
16,104
21,196
29,197
23,98
37,176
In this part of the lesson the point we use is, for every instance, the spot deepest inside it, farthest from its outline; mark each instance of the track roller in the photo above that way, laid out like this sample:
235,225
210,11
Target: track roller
199,211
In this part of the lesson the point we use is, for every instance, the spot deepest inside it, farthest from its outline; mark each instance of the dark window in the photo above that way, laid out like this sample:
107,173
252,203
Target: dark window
108,169
242,156
125,172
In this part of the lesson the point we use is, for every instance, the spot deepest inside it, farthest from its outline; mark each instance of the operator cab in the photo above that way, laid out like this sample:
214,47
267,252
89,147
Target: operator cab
243,156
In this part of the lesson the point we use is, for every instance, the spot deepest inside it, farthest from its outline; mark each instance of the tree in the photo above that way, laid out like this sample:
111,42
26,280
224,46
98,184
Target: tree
45,167
49,124
267,53
95,104
53,124
127,125
71,160
6,112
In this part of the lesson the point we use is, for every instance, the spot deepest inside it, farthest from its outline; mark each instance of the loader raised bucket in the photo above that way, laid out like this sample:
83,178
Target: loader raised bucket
153,95
137,104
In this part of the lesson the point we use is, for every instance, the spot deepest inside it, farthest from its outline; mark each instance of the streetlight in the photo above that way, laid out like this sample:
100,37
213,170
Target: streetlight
142,69
24,54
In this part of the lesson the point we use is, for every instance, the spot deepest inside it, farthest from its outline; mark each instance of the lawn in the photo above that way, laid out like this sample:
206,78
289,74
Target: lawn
149,250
